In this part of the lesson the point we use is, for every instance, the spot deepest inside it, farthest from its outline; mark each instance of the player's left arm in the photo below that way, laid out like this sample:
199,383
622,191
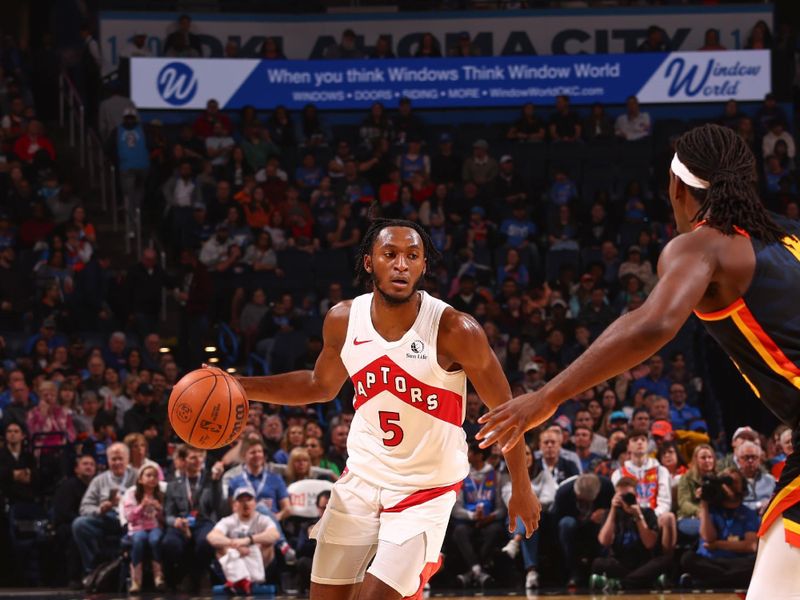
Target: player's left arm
463,341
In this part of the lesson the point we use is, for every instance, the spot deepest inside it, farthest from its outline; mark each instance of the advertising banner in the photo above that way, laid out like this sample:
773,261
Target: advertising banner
168,83
493,33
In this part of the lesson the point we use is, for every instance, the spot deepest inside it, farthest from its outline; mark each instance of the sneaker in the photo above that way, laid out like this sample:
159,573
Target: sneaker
532,580
613,585
290,557
663,582
466,579
484,579
596,582
511,549
428,571
686,581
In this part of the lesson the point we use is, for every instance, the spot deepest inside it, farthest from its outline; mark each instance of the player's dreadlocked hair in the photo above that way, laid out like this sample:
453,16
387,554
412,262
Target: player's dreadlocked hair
718,155
432,255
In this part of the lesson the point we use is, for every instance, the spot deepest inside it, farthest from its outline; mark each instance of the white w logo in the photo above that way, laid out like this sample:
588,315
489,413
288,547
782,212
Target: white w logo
177,83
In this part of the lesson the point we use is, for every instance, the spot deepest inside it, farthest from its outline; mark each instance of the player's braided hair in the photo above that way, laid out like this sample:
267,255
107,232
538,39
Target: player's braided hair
718,155
432,255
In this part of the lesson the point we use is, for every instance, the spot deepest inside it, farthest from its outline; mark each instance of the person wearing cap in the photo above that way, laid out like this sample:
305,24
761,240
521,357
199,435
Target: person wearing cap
137,46
579,509
630,535
618,421
128,147
653,487
533,372
346,49
445,164
143,409
245,542
480,168
528,128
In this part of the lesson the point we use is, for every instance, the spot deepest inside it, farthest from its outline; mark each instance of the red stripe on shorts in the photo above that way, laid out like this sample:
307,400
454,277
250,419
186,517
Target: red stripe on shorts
421,497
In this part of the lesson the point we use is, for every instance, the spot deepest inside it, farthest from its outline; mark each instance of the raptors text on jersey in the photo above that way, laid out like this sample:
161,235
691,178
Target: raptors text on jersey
406,432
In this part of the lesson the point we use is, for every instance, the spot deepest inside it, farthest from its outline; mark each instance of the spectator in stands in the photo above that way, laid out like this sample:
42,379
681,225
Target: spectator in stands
579,509
128,144
143,507
634,124
656,40
89,409
145,282
19,474
480,168
32,142
464,48
760,37
245,543
48,417
98,508
670,457
137,448
528,128
66,507
337,452
144,409
630,533
653,488
478,514
20,404
376,126
316,454
271,49
582,438
183,42
446,165
550,458
758,485
776,133
681,414
270,490
731,115
711,41
382,49
725,556
406,123
346,49
510,188
598,125
428,47
564,125
769,112
703,464
192,506
654,382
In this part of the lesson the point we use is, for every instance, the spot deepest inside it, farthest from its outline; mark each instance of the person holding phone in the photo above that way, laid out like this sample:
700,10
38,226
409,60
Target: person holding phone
630,533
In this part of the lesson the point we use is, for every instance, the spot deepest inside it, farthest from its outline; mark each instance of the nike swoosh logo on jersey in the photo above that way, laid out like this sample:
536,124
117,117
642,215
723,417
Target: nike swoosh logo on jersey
357,342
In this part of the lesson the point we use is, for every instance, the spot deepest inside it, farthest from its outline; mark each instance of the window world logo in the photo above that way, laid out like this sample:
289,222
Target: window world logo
177,83
709,77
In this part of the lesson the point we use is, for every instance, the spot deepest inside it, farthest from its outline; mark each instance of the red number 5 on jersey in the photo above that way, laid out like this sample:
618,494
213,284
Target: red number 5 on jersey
390,424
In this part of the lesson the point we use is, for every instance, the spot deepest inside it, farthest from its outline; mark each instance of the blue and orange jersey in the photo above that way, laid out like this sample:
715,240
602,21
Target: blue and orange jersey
761,330
761,333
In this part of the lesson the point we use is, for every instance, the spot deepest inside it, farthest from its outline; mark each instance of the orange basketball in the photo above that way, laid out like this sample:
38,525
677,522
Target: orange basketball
208,408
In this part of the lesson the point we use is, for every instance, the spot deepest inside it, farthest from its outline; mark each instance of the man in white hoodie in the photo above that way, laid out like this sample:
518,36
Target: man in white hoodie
652,485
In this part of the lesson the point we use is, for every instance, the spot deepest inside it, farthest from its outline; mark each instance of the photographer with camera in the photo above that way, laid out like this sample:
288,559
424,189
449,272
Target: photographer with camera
630,534
725,556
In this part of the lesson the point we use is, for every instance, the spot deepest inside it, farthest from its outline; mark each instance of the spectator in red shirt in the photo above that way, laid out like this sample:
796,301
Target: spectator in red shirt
204,124
32,141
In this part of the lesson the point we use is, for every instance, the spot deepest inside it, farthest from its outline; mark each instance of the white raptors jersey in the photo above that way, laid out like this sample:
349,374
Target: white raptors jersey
407,428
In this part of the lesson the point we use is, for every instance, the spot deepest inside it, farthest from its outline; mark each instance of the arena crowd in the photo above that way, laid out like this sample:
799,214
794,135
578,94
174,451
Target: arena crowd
550,227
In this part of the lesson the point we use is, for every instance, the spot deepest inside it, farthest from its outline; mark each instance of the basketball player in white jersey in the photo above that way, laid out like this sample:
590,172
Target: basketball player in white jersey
409,356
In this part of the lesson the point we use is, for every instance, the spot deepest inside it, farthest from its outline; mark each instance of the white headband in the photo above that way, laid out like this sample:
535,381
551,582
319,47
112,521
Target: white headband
686,176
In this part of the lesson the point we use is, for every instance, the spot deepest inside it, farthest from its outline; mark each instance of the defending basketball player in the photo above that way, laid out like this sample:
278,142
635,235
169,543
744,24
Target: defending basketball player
738,269
409,356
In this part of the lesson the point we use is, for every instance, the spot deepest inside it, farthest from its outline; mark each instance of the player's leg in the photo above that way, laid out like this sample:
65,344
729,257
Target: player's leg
347,538
395,572
777,564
